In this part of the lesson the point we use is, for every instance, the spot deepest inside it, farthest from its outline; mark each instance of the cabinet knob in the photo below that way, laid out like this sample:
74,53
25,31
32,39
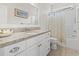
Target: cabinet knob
39,45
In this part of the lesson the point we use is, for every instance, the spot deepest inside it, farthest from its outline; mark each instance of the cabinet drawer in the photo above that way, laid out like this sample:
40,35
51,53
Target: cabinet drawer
14,49
46,35
43,36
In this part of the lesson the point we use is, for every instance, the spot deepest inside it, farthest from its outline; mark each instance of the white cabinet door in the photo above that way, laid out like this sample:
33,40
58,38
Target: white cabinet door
47,45
44,47
32,51
3,15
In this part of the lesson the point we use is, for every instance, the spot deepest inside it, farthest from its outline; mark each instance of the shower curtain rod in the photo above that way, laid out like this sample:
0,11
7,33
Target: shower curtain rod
63,8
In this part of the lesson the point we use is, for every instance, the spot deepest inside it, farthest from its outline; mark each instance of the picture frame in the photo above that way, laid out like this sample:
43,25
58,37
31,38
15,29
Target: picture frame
20,13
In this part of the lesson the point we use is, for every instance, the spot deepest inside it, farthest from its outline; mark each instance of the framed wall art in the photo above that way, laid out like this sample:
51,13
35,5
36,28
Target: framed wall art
20,13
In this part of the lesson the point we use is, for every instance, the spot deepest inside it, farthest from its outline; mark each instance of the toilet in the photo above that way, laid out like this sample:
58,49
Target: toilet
53,43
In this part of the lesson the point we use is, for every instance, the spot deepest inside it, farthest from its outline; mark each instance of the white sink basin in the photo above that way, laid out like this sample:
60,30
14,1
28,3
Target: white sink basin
5,32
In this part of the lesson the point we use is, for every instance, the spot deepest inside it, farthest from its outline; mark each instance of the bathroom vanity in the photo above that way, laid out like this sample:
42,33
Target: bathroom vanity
33,43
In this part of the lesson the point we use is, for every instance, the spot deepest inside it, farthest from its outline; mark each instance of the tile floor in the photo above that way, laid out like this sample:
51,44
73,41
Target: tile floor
63,51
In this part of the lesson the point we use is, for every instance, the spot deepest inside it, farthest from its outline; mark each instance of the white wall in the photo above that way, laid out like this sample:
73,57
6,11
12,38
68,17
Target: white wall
43,15
77,19
11,19
3,15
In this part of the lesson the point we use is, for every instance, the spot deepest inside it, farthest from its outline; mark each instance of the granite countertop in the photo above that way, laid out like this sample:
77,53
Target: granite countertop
20,36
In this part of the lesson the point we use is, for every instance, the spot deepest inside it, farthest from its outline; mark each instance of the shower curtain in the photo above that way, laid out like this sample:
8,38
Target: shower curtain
56,25
63,23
